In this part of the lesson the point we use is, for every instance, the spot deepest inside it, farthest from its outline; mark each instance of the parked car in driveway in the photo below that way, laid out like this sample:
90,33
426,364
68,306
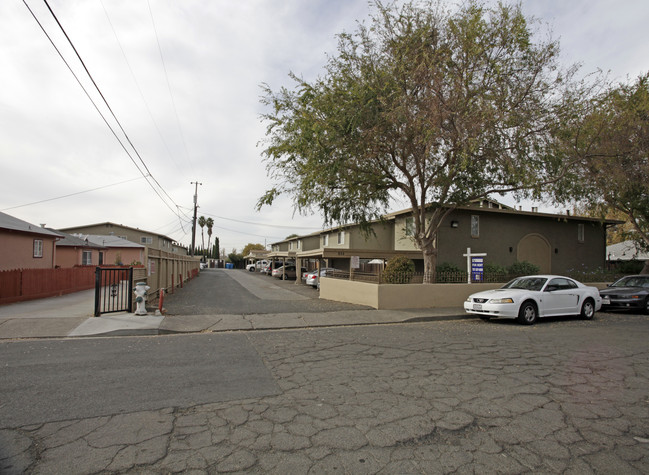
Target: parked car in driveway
268,267
628,293
312,277
289,273
531,297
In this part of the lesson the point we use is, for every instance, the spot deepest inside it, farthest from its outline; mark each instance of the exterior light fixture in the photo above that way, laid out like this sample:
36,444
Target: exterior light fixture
455,224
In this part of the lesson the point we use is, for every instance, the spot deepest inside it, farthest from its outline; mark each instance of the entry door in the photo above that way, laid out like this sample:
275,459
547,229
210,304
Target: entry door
535,249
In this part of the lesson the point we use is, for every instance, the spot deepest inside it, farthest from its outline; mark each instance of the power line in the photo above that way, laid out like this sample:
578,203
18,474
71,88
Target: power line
173,102
148,172
137,84
72,194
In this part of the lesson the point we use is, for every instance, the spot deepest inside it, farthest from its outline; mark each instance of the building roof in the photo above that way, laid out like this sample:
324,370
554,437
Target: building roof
106,223
476,205
109,241
14,224
76,241
626,251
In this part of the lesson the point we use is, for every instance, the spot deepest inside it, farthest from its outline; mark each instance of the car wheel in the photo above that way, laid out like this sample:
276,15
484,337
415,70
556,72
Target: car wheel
588,309
646,306
528,313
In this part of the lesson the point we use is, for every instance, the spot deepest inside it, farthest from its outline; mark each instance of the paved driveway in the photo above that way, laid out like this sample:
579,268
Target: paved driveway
232,291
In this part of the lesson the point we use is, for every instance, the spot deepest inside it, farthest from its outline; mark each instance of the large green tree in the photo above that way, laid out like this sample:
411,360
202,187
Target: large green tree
250,246
611,145
438,108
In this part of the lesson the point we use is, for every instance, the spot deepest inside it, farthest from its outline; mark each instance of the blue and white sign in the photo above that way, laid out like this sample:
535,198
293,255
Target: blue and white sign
477,269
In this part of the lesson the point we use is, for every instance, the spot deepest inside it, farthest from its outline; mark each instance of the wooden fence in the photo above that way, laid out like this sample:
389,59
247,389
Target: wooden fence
27,284
166,271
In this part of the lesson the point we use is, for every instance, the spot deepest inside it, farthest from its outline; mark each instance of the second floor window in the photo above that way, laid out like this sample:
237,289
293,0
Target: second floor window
580,232
341,237
325,240
146,240
410,226
475,226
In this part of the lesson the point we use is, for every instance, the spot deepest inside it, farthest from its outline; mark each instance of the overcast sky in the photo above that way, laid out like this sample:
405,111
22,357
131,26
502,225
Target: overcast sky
183,79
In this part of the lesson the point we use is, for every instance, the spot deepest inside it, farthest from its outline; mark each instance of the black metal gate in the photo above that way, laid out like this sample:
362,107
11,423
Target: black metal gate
113,290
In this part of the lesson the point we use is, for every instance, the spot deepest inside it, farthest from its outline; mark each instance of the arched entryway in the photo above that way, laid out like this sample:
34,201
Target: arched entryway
535,249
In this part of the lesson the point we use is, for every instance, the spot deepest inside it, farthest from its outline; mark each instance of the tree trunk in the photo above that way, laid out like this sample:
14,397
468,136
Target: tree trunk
430,263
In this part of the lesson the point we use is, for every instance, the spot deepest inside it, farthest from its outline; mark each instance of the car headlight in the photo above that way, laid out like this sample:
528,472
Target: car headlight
501,300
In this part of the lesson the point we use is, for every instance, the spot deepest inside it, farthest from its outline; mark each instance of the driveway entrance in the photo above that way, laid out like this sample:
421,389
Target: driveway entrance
233,291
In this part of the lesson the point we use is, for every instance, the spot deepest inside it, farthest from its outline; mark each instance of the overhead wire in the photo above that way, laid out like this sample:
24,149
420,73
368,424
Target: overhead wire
148,173
173,101
137,84
72,194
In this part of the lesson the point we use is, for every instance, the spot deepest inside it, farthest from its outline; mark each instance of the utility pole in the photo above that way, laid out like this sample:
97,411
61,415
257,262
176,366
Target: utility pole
194,221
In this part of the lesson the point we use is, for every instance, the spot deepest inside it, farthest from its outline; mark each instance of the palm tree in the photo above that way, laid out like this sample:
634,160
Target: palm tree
201,223
209,222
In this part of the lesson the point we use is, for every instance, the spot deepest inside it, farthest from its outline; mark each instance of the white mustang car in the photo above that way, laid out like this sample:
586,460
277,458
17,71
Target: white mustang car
528,298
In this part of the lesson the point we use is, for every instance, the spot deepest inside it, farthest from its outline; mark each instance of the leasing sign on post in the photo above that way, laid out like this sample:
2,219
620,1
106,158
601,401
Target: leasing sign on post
479,265
477,269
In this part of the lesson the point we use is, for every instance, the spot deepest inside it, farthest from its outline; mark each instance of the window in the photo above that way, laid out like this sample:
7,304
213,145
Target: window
146,240
341,237
290,246
86,259
325,240
580,232
475,226
38,248
410,226
299,244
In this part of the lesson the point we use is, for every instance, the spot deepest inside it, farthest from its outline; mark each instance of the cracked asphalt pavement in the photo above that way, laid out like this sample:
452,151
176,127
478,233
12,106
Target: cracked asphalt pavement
563,396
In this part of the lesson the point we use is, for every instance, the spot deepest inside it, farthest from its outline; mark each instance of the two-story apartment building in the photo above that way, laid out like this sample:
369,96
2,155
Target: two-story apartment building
557,243
135,235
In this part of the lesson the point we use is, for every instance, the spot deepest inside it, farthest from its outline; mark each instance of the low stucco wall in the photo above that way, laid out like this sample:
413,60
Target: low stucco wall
399,296
396,296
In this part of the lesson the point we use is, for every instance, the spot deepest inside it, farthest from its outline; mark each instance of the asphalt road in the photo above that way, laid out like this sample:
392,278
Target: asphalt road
54,380
465,396
221,291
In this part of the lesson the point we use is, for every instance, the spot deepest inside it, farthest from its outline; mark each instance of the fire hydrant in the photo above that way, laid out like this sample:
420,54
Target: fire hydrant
140,291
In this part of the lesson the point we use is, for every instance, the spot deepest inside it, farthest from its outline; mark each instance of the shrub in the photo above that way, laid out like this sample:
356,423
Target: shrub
523,268
490,268
398,270
495,273
630,267
449,273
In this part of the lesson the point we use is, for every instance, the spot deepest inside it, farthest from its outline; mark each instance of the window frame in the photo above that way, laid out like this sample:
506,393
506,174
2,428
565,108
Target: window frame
475,226
581,232
38,249
410,226
85,262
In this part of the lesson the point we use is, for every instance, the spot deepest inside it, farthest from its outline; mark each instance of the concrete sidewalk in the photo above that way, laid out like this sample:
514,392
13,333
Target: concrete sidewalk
69,316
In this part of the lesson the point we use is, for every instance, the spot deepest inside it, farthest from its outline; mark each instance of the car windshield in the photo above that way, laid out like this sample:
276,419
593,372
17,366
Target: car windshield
632,281
526,283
